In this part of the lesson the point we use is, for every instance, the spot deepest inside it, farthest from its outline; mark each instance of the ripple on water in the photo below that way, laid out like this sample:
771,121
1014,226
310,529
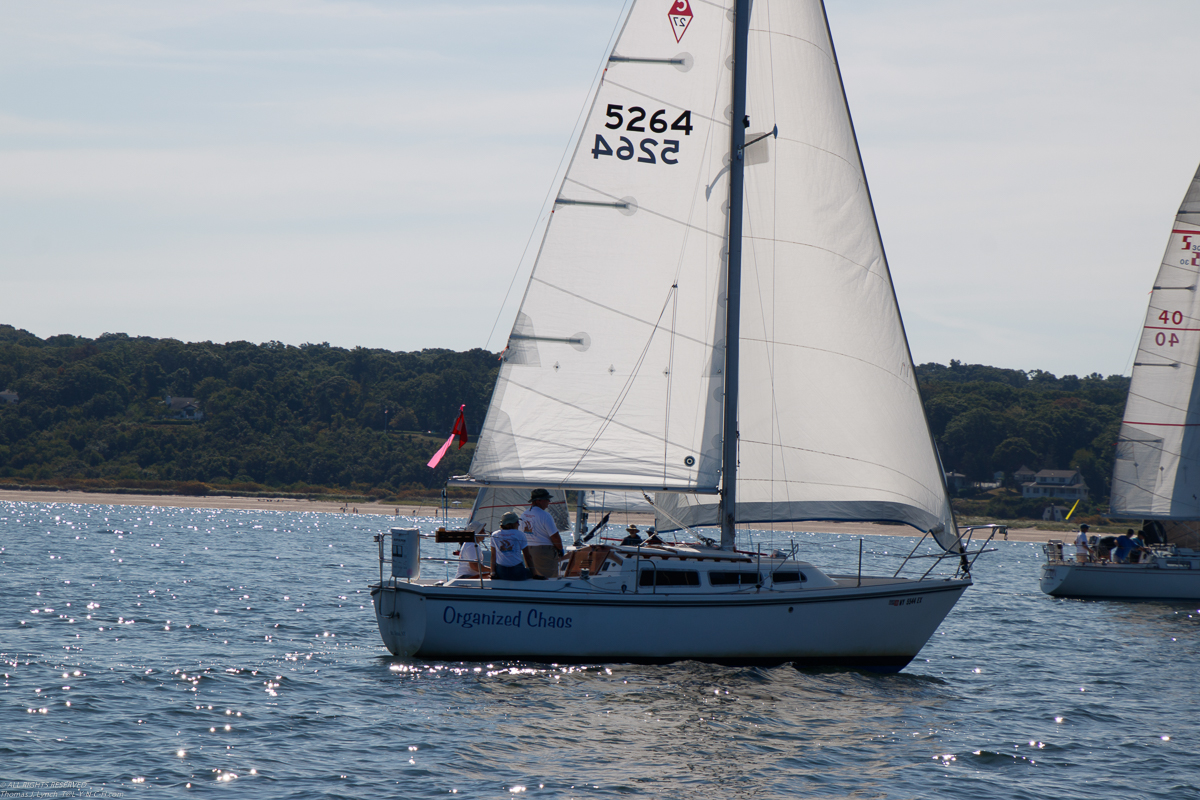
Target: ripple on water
225,647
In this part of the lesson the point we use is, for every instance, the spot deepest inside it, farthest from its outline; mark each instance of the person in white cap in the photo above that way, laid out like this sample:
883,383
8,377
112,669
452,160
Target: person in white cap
509,557
1083,553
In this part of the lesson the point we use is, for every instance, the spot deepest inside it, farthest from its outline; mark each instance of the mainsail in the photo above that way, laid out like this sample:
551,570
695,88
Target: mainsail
1156,474
613,374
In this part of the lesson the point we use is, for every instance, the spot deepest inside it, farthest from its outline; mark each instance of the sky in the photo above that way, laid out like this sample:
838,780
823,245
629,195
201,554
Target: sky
375,173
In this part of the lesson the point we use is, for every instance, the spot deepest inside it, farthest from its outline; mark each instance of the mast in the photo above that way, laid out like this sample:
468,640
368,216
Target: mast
581,516
733,283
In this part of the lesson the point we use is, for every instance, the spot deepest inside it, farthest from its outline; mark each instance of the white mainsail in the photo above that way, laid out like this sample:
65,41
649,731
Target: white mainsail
1156,474
830,419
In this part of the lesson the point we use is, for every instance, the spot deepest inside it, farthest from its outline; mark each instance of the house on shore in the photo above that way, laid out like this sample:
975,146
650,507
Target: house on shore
9,398
185,408
956,481
1063,484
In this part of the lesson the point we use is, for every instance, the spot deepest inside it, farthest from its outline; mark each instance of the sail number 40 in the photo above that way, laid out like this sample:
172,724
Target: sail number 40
645,150
1168,318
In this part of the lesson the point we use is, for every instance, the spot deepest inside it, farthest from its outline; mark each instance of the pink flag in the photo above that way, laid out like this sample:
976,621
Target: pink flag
459,432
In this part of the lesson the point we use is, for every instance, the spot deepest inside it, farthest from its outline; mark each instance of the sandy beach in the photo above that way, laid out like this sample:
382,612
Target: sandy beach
393,510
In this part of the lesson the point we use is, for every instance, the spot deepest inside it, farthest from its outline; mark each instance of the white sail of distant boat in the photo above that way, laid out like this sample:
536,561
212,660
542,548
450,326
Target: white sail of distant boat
1157,469
1156,473
710,319
613,376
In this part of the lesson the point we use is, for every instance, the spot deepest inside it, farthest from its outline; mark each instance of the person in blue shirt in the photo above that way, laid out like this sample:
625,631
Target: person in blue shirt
1139,548
1125,545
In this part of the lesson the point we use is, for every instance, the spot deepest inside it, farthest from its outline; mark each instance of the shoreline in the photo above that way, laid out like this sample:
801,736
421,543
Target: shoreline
227,503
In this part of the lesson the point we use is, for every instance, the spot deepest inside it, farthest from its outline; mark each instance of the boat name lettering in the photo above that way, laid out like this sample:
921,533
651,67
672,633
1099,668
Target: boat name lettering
470,619
536,619
533,619
905,601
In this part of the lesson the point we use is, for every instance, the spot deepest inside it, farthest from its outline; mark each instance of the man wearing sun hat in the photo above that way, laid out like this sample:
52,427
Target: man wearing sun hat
545,545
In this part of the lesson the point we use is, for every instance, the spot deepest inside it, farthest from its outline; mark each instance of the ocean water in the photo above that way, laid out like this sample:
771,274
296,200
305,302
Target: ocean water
179,652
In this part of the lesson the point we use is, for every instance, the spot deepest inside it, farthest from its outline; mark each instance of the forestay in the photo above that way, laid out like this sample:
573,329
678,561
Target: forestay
1157,469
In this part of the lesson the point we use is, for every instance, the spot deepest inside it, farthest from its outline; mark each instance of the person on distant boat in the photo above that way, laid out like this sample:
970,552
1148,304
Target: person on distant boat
1124,547
1139,547
1082,551
510,560
631,539
1104,547
545,545
468,558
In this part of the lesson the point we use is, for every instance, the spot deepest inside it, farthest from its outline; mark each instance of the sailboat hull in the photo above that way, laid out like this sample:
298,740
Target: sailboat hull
880,625
1162,578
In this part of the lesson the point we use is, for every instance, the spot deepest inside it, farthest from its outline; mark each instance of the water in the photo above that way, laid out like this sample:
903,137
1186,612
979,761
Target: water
173,652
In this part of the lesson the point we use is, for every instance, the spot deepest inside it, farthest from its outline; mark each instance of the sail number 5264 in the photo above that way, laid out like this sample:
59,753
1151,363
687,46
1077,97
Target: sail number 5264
648,150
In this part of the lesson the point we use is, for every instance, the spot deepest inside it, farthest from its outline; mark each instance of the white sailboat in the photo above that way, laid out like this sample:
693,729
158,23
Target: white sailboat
710,319
1156,475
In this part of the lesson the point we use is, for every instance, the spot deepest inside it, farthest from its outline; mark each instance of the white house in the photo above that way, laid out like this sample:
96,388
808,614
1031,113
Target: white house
1064,484
956,480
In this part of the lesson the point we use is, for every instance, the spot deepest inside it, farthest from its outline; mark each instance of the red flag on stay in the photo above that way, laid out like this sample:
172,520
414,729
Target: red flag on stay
459,432
460,428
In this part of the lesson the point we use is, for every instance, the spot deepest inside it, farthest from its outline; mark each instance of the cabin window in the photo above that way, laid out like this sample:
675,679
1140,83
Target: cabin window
788,577
669,577
734,578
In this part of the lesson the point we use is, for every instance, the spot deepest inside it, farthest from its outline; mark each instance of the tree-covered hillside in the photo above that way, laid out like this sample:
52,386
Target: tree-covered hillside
987,420
291,418
311,419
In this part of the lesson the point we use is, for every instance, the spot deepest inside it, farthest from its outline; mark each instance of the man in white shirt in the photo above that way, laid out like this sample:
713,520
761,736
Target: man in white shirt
1082,551
544,544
